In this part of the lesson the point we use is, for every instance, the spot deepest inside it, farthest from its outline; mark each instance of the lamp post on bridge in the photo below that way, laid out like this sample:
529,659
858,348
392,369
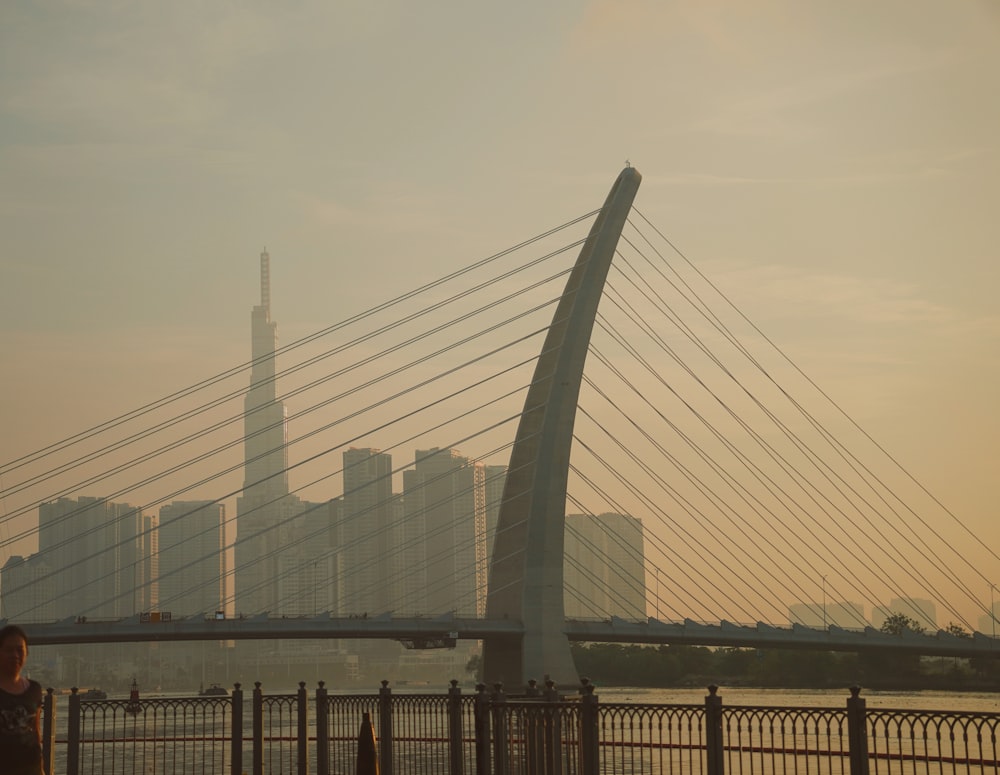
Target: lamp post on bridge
657,593
824,603
993,610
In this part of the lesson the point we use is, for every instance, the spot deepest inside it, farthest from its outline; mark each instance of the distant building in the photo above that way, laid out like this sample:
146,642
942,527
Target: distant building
494,479
192,569
265,503
604,567
27,589
818,615
923,612
307,578
990,625
444,511
98,553
364,533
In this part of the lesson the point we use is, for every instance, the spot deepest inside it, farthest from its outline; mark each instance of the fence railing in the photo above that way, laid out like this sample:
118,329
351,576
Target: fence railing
537,732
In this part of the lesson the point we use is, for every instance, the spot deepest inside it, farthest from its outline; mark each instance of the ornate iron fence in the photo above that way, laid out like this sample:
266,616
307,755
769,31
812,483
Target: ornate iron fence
932,742
539,732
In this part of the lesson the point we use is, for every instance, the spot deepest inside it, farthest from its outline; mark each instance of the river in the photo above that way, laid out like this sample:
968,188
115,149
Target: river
983,702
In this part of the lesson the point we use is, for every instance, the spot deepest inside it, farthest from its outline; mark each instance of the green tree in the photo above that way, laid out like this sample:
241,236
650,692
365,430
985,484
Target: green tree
884,667
897,624
957,630
474,667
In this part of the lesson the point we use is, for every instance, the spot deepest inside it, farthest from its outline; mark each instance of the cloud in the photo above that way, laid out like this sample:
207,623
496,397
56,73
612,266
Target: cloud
785,293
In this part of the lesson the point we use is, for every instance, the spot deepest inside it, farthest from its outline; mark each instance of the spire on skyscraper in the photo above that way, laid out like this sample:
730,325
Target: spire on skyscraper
265,281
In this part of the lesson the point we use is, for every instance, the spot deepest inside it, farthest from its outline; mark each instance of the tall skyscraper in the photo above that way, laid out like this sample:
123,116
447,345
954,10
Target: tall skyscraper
604,567
191,557
445,508
264,504
363,537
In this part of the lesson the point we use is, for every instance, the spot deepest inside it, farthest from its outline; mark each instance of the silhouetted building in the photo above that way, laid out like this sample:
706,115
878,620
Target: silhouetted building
494,479
820,615
192,569
990,624
27,589
98,556
364,532
444,509
604,566
265,504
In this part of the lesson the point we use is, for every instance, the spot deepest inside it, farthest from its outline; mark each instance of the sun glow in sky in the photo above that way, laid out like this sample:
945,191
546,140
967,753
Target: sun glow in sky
833,168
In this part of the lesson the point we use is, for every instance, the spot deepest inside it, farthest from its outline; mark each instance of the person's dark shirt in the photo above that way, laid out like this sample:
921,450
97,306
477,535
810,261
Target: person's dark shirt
20,749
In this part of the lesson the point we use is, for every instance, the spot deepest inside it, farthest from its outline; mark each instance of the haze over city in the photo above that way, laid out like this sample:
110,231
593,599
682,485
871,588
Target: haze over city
833,170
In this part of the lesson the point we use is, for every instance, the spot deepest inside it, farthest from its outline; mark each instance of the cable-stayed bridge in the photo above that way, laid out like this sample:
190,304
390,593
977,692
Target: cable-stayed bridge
707,480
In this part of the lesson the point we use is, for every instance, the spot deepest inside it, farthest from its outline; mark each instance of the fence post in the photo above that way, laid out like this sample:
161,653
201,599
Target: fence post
498,710
857,732
302,703
482,723
258,729
322,730
455,729
48,730
553,729
715,764
534,734
236,745
589,737
385,728
73,734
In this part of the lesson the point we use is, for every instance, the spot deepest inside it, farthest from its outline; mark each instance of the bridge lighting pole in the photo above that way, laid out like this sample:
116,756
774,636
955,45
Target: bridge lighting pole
657,593
824,603
993,610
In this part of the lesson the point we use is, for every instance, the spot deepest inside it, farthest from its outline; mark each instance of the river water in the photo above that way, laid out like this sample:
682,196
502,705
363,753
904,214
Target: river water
983,702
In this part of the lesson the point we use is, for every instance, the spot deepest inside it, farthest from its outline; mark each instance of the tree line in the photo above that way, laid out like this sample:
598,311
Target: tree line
613,664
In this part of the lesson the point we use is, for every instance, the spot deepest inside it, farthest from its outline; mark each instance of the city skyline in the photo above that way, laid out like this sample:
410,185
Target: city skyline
833,170
269,571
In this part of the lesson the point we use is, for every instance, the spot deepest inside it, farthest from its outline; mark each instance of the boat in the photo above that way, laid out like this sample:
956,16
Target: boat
214,690
94,694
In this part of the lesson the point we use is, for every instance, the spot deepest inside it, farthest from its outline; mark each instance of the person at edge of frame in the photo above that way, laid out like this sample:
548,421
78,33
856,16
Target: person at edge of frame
20,708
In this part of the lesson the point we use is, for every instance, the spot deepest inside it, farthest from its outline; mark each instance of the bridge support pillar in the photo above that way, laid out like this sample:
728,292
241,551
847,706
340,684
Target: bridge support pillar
526,572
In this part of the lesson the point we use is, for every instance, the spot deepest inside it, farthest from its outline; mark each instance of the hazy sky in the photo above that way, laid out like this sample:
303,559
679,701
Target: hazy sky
833,167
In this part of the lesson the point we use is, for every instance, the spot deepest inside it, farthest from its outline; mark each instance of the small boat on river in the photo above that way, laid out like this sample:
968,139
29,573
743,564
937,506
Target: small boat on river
214,690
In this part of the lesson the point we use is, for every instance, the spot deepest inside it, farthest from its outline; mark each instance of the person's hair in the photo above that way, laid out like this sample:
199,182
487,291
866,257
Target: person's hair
11,630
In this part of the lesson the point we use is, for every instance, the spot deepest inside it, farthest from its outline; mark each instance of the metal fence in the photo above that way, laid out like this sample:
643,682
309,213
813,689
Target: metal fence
537,732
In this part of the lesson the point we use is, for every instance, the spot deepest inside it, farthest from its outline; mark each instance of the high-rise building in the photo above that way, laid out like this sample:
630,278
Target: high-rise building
27,590
363,535
445,510
494,480
264,504
95,554
191,556
604,567
307,581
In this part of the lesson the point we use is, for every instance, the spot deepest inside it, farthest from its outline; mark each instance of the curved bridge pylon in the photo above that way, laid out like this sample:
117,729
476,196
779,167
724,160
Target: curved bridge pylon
526,572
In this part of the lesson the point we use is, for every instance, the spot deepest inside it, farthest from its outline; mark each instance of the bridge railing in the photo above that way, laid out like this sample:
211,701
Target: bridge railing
537,732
